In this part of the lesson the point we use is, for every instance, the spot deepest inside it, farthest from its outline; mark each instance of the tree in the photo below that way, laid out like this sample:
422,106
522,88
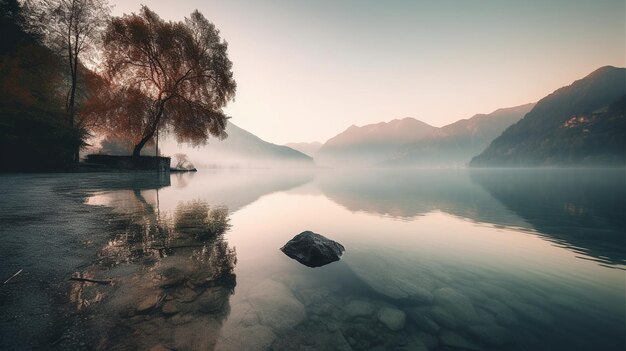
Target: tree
34,134
29,72
182,161
73,29
12,24
170,76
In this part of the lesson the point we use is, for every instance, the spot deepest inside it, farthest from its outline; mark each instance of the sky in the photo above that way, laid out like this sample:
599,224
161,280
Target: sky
307,70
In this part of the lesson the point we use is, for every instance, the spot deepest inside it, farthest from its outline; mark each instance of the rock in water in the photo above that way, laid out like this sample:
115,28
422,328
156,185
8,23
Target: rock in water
312,249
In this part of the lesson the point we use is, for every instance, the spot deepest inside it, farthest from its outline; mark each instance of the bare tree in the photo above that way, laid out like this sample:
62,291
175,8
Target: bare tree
171,76
73,29
182,161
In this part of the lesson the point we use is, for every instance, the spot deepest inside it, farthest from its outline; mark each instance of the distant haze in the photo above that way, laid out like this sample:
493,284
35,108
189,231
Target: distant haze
408,142
306,70
306,148
241,149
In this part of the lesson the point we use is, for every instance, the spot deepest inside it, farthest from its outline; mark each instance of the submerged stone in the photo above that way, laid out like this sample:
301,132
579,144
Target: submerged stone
312,249
393,276
430,341
444,318
422,321
504,314
148,303
276,306
170,307
392,318
455,340
415,344
456,303
484,317
492,334
252,338
359,308
159,347
172,277
531,313
212,299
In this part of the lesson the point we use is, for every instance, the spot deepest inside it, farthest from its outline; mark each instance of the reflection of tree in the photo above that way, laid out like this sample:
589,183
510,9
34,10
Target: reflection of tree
197,220
142,234
183,277
219,258
84,293
183,179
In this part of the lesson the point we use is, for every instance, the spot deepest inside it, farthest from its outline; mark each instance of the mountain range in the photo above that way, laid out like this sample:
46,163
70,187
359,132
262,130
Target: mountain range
582,124
409,142
372,143
455,144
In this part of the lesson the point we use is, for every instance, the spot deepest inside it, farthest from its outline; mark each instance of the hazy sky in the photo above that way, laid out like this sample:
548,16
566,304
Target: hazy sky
307,70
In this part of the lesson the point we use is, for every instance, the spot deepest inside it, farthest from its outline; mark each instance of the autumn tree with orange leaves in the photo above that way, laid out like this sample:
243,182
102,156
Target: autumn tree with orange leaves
165,76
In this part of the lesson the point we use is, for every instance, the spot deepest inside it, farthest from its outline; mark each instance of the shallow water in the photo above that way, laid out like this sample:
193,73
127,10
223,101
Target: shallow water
435,260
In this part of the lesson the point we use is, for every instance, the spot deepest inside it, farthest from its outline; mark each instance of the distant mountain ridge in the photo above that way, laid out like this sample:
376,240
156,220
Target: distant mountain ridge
371,143
582,124
455,144
397,131
241,149
409,142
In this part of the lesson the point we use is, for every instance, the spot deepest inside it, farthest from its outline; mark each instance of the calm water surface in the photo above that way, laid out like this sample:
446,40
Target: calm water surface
435,260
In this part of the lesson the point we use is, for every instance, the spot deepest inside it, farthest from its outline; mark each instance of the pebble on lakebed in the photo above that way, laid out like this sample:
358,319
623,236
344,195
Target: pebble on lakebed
312,249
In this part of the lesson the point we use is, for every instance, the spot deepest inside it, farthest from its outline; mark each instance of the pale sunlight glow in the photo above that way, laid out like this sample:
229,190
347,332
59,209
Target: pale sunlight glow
307,70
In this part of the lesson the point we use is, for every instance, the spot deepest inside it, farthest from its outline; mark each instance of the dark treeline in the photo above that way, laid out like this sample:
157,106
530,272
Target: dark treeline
34,133
71,74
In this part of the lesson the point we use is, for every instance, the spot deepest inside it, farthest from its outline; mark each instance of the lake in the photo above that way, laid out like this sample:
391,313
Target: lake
434,260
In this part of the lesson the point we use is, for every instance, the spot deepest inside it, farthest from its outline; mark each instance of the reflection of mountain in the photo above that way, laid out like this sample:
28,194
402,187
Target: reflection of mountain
241,149
232,188
409,193
581,209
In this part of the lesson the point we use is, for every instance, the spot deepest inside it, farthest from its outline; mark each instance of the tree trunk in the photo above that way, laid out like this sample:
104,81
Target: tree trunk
142,143
72,98
71,114
151,131
72,101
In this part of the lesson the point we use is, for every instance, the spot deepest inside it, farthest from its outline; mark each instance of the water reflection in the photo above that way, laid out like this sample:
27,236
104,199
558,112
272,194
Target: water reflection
409,193
467,266
172,274
582,210
234,189
437,280
182,179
